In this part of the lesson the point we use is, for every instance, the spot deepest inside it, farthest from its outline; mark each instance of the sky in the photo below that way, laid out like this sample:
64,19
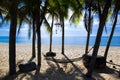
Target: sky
70,29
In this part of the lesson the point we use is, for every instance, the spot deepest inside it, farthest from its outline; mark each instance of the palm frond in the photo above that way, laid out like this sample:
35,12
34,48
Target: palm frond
1,16
86,21
91,24
20,21
75,18
105,28
6,18
47,25
29,31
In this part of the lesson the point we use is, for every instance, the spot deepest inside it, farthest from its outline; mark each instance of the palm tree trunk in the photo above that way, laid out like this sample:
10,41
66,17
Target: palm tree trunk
51,34
62,35
38,32
39,46
39,23
95,50
87,43
33,39
88,33
12,39
103,17
111,35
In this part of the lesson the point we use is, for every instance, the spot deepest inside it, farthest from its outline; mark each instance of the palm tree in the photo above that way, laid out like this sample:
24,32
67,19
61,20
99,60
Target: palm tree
63,13
31,13
88,20
90,10
50,28
27,12
54,16
36,12
11,8
51,32
63,32
12,39
115,16
37,19
61,8
40,15
34,37
21,15
102,17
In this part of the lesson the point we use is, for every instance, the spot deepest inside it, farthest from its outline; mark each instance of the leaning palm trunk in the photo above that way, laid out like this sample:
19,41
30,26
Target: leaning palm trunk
103,17
12,39
88,33
111,35
87,43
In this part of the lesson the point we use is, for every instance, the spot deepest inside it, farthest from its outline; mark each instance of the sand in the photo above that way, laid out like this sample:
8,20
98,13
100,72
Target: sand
52,71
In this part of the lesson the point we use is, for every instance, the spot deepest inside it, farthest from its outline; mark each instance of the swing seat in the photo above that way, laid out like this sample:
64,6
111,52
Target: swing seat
50,54
99,63
27,67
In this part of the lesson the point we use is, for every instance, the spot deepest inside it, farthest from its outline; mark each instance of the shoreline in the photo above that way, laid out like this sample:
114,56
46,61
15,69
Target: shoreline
52,44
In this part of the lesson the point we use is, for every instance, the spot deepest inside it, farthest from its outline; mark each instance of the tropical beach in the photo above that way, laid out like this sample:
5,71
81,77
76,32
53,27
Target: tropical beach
59,40
50,71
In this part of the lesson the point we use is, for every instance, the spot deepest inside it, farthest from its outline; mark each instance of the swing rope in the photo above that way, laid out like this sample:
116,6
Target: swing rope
65,60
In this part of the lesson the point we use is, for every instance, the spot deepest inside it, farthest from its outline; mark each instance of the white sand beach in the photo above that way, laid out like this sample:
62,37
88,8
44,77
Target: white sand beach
49,70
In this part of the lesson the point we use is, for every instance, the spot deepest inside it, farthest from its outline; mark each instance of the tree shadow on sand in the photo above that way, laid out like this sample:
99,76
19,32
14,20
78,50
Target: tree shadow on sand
19,75
107,70
75,73
56,71
96,76
80,71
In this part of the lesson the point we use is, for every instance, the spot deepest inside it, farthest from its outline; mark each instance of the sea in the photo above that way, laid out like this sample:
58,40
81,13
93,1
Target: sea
74,35
72,40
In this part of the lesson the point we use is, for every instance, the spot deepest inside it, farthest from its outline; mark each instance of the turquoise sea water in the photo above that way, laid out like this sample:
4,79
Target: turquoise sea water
68,40
74,35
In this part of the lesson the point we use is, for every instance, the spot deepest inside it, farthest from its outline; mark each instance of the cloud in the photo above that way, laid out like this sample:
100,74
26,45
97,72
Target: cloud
70,29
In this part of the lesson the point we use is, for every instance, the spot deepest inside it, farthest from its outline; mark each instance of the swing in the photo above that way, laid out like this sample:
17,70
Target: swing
63,60
30,66
50,58
99,63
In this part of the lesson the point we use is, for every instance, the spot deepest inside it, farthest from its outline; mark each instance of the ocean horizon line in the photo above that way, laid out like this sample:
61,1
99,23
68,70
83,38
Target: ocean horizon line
74,40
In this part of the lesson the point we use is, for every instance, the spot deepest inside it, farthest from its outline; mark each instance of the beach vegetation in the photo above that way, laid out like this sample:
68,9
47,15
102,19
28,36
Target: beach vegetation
103,13
28,10
52,14
114,19
12,40
63,13
9,9
88,22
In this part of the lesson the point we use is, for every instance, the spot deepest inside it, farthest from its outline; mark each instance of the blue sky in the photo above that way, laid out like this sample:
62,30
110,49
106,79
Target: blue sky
70,30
